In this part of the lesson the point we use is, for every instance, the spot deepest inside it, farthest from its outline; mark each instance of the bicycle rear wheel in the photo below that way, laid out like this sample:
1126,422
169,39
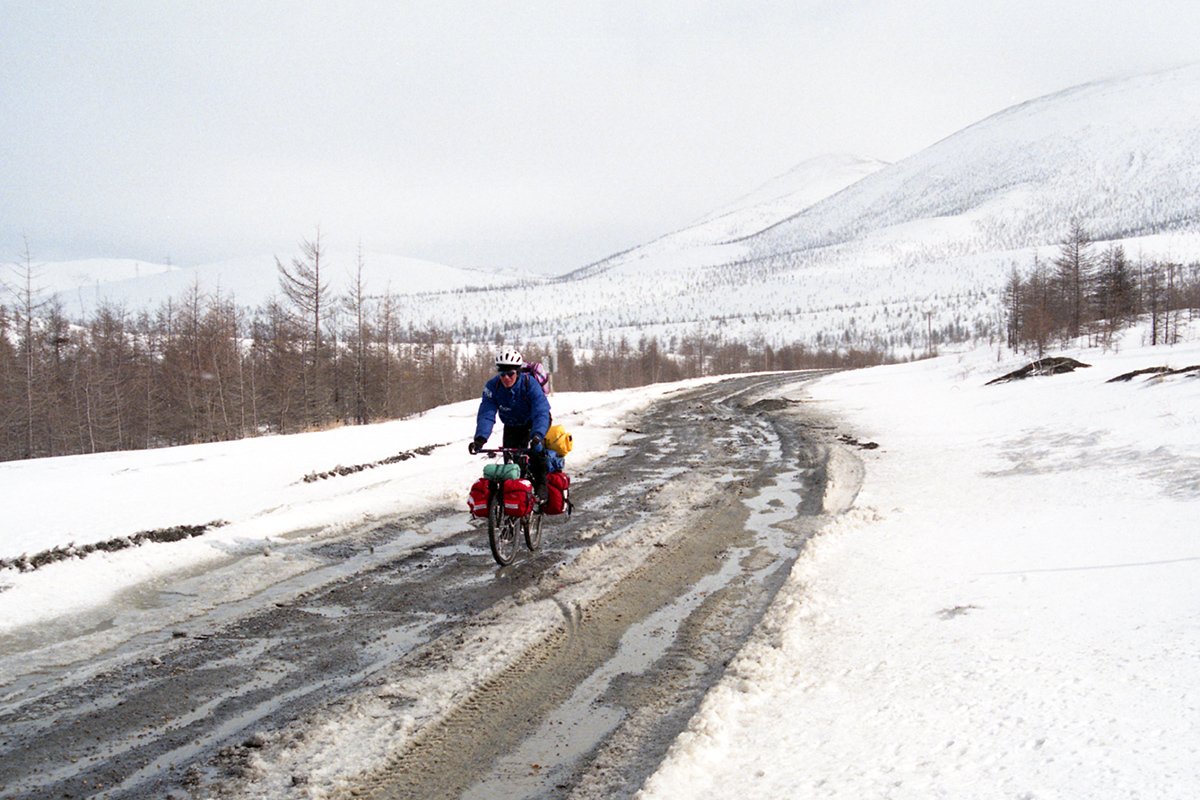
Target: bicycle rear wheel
531,525
502,531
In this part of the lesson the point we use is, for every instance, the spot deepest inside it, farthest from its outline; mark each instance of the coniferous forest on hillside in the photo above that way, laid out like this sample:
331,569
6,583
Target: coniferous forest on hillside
1086,291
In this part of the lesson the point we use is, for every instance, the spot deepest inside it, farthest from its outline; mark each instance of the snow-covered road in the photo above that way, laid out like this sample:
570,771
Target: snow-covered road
448,675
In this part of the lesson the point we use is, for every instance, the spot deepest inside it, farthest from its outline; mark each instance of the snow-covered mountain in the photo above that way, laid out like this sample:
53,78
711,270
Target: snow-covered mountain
924,244
842,251
1121,155
251,281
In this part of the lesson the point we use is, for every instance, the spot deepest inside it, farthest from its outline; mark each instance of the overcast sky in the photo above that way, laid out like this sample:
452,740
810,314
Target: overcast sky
536,135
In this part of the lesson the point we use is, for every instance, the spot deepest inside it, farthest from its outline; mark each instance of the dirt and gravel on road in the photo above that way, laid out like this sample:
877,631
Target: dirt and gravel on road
390,669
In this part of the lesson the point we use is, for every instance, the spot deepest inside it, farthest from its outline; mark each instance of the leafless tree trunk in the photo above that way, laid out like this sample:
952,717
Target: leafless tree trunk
356,305
30,343
1074,270
1014,289
303,284
387,325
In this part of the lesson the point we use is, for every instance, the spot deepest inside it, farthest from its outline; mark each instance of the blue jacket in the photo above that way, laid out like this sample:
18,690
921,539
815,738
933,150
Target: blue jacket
524,404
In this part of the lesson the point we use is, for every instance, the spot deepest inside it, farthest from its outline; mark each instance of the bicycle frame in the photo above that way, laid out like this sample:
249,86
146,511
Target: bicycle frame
502,528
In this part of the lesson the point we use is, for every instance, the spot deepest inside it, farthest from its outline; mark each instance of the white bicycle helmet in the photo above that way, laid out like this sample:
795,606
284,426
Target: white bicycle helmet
509,359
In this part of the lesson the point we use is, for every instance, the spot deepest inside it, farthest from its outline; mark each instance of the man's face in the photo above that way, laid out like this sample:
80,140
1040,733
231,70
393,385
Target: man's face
508,377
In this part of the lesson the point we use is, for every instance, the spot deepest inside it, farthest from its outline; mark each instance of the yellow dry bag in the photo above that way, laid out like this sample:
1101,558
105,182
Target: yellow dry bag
558,440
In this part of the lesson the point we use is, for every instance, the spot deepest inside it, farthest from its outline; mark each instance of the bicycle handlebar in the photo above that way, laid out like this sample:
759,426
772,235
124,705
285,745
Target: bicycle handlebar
495,451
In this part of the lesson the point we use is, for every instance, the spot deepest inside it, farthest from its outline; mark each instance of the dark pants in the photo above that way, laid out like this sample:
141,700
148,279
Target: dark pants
518,436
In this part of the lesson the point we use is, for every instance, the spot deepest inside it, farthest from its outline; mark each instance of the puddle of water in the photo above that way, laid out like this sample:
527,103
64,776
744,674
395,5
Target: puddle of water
449,525
774,504
466,549
583,721
396,642
328,612
302,534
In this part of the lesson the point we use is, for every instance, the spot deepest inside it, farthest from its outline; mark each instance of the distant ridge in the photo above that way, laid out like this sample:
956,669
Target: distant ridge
253,280
795,190
779,198
66,276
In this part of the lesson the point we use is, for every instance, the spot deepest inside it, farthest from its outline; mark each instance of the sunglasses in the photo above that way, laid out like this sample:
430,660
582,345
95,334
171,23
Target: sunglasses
508,373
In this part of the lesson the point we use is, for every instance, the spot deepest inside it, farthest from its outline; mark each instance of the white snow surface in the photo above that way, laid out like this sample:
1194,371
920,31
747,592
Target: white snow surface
1007,609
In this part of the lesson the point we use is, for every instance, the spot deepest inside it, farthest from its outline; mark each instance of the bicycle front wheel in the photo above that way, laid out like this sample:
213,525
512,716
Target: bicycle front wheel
502,531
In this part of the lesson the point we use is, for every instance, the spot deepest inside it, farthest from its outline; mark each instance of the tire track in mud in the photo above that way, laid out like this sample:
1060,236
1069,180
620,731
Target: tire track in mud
439,762
512,736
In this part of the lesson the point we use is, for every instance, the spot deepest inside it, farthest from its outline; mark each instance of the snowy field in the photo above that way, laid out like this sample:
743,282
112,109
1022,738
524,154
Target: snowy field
1008,610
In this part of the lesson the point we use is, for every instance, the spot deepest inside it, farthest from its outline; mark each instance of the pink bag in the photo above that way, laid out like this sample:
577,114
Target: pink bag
538,371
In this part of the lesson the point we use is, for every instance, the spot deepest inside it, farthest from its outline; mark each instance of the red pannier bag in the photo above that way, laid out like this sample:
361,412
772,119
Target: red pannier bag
558,498
518,497
477,502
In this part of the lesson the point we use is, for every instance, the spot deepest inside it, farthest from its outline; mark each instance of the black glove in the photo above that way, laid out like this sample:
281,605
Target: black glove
476,445
535,442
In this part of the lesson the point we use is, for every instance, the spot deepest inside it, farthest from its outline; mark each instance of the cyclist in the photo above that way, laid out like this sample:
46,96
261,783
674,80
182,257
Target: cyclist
524,410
